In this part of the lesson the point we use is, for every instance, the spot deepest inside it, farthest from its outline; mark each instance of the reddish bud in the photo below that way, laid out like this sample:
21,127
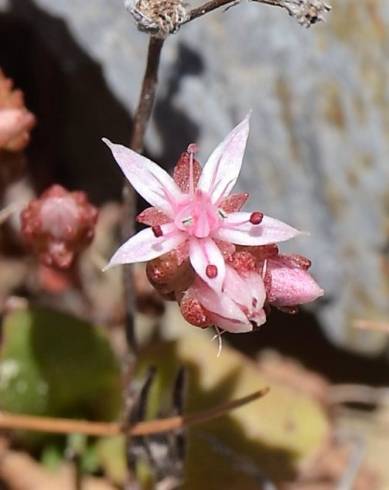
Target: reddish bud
58,225
211,271
256,218
167,275
162,270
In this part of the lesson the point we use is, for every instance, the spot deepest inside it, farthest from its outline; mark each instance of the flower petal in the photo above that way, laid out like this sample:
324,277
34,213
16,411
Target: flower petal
245,289
204,252
230,325
223,166
147,178
218,303
238,229
146,246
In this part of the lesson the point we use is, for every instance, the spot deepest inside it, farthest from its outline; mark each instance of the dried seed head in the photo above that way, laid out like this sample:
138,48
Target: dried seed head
307,12
157,17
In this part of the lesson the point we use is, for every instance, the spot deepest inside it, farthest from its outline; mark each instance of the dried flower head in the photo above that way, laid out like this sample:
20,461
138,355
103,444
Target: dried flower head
59,225
16,121
157,17
306,12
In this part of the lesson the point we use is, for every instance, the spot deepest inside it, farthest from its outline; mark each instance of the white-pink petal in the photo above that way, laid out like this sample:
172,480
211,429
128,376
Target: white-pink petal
236,228
146,246
147,178
229,325
245,289
219,303
204,252
223,166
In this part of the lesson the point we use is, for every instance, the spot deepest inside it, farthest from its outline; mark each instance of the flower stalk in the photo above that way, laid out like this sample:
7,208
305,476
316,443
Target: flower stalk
143,428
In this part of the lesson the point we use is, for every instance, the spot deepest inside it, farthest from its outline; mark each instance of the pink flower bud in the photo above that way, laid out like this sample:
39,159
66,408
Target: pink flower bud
289,284
58,225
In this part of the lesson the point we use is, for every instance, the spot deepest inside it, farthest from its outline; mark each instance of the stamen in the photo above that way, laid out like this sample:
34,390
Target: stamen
157,230
256,218
211,271
218,336
192,149
222,213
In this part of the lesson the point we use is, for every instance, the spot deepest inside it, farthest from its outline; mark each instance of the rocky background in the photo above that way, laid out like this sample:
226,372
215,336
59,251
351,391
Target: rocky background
317,155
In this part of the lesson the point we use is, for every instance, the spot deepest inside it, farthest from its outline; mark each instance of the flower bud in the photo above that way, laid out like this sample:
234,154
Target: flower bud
58,226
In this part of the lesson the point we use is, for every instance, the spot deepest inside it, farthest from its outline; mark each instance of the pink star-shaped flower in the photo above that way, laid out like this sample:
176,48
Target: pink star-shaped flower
196,214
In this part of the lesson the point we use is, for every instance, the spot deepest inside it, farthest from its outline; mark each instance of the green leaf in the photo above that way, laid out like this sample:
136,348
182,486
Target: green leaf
53,364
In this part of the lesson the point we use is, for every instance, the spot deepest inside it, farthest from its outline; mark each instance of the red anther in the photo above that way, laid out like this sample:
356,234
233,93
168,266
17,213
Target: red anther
256,218
211,271
157,230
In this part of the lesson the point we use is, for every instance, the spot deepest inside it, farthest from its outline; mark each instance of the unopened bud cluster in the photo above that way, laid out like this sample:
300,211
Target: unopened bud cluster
58,226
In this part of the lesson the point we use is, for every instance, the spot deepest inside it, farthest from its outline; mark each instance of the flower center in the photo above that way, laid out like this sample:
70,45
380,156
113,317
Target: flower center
197,215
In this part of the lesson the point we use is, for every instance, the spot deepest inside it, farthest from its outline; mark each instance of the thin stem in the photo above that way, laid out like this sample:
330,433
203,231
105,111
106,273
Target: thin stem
140,120
147,95
306,12
70,426
206,8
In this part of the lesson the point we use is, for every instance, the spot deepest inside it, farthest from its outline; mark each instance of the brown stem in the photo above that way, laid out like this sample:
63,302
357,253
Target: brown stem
147,95
205,8
306,12
69,426
140,120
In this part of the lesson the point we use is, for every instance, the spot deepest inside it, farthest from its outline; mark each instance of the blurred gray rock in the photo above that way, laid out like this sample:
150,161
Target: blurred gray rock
318,152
